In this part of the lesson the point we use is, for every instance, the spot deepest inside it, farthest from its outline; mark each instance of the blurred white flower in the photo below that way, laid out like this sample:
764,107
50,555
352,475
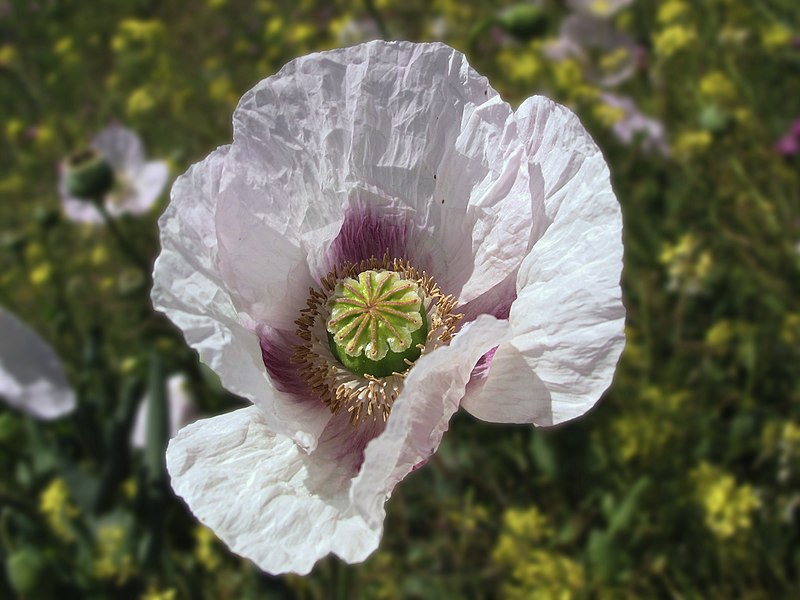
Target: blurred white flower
385,157
634,125
134,187
181,410
32,378
598,8
608,56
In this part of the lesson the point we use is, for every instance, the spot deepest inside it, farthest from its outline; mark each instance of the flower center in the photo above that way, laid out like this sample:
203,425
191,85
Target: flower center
377,324
363,331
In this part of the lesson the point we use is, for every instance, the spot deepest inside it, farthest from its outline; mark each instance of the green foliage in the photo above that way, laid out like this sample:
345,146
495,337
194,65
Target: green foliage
683,482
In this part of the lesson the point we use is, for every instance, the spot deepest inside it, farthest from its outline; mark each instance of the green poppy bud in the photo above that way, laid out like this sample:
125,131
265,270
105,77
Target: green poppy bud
88,175
523,21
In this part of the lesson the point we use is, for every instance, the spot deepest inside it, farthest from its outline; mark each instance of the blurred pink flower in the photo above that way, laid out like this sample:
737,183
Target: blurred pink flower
137,184
384,149
32,378
789,143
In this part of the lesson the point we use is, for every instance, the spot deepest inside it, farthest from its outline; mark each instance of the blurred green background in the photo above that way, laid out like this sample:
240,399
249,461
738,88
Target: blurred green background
682,483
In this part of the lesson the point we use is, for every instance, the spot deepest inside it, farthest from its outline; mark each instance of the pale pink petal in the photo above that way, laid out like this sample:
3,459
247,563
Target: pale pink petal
421,415
32,378
121,147
147,184
266,498
283,508
80,211
568,318
181,410
406,135
188,287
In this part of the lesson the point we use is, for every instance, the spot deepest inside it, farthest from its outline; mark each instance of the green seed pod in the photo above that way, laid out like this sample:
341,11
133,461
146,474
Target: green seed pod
88,175
524,21
377,323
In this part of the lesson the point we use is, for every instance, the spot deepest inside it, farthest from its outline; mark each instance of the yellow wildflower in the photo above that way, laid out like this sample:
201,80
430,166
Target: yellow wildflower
14,127
99,255
613,61
274,27
568,74
130,487
521,528
608,115
671,11
301,32
687,266
153,593
716,87
524,68
720,335
221,90
8,55
41,274
672,40
691,143
204,550
58,510
140,101
776,36
728,507
112,562
44,137
536,571
34,252
790,329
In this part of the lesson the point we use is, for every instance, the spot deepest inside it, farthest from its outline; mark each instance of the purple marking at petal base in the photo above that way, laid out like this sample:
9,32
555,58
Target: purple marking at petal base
481,370
277,348
365,234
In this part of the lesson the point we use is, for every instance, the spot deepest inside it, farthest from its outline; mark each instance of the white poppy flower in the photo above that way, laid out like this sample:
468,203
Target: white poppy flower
136,183
32,378
181,410
388,157
607,55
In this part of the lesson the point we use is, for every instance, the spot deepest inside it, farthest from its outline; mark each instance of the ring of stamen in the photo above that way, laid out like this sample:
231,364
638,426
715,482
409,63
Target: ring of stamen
365,396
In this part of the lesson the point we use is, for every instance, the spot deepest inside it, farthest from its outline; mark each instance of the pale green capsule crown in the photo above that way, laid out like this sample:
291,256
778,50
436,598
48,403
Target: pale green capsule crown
377,323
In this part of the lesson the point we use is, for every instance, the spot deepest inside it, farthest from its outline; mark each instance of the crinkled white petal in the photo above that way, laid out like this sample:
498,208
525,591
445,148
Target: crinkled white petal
568,318
181,410
121,147
266,498
32,378
406,131
283,508
188,287
420,416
